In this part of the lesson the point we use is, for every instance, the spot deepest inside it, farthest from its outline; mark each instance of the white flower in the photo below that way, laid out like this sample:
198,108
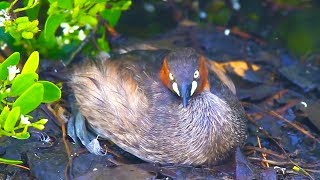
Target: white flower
88,27
24,120
13,70
73,28
2,12
67,29
66,41
2,20
59,40
81,35
3,46
4,16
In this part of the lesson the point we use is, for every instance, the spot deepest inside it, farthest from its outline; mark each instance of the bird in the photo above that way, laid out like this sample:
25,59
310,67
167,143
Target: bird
162,106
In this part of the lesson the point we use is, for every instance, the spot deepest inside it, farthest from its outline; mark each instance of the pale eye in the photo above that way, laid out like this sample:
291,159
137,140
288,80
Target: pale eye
171,77
196,74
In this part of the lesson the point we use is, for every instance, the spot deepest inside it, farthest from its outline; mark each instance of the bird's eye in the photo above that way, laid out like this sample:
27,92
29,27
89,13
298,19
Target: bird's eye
171,77
196,74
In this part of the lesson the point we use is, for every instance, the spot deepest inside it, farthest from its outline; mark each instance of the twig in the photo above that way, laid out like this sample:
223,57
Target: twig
276,95
111,30
281,163
274,114
80,47
302,130
236,31
287,106
17,165
58,112
64,137
278,163
265,151
268,136
312,170
264,155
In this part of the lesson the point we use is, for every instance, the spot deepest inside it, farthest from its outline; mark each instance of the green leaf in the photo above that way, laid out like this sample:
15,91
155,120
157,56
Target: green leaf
86,19
23,19
79,2
34,24
22,82
12,119
12,60
126,5
23,26
51,92
38,126
65,4
97,8
103,44
10,161
51,26
22,135
30,99
121,5
42,121
4,4
111,15
34,30
33,12
32,63
27,35
12,31
4,115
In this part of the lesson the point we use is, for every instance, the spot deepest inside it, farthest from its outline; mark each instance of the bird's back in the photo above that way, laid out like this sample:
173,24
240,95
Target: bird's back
124,100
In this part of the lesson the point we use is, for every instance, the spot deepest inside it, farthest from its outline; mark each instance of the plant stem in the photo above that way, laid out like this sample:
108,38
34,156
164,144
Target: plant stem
12,4
2,132
27,7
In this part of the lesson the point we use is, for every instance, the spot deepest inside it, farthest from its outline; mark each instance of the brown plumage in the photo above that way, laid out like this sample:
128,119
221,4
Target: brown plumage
164,107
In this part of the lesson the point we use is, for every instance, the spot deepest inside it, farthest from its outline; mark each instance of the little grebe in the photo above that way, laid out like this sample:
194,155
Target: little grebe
164,108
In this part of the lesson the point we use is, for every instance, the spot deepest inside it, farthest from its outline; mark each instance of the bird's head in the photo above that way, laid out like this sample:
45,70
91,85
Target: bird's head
185,73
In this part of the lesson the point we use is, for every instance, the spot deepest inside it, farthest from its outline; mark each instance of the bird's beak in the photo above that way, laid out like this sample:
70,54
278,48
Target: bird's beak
185,94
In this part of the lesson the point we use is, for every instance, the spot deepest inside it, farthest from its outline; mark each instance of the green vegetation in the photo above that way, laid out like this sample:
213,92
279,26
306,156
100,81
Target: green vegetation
22,93
54,29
